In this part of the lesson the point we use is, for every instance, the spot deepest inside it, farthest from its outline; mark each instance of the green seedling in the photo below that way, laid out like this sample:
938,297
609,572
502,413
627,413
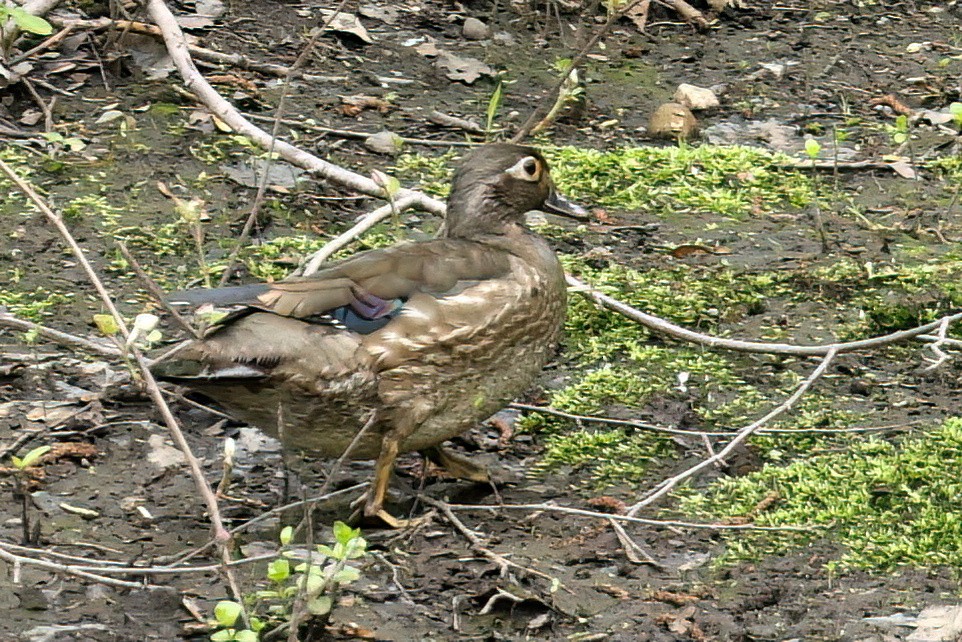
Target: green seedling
494,105
24,21
21,466
313,583
226,614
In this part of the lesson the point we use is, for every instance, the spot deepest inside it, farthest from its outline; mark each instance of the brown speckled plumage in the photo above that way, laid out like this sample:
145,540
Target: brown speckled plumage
480,312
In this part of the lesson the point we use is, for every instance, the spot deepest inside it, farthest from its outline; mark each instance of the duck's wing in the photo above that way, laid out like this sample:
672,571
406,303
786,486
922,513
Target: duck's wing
362,293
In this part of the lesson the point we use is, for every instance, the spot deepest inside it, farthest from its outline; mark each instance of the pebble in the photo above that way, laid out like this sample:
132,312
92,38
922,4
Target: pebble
672,120
474,29
384,142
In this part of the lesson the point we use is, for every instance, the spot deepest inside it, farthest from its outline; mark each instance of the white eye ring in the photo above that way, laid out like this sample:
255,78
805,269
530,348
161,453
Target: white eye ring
526,169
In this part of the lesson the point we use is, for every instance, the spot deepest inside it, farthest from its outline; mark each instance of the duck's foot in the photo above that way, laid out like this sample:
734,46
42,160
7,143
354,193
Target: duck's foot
372,513
458,465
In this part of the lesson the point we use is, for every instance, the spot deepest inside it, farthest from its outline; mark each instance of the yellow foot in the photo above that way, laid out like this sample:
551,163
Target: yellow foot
374,514
458,465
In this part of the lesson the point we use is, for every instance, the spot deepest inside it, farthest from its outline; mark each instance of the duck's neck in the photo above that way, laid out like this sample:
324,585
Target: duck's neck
474,212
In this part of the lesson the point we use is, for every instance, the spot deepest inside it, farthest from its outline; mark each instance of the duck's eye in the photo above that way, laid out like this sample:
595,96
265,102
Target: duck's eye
526,169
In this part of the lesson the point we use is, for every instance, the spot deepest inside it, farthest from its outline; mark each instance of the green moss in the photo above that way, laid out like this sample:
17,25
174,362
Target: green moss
611,456
32,305
697,297
733,181
877,299
431,174
888,504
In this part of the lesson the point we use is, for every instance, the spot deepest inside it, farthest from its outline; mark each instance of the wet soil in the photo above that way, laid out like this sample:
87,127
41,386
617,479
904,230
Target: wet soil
128,499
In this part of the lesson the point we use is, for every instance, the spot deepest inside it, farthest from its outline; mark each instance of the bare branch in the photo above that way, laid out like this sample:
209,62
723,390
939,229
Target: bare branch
666,486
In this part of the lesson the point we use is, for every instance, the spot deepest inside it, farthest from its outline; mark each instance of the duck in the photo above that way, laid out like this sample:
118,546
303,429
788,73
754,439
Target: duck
401,348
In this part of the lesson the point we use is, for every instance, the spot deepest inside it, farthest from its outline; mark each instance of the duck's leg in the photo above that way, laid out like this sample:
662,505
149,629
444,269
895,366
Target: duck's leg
404,424
458,465
383,469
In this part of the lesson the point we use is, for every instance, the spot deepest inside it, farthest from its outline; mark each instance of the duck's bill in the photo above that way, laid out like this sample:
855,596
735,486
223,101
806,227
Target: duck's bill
558,204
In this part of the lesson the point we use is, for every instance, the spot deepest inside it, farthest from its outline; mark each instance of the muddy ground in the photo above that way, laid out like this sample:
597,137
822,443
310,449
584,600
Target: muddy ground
429,584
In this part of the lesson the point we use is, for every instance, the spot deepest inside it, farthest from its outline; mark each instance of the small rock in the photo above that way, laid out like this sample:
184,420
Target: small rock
696,98
55,632
474,29
163,456
672,120
938,624
384,143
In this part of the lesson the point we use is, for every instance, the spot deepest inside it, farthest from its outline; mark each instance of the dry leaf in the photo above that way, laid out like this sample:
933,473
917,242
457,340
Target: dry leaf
345,22
467,70
693,248
354,105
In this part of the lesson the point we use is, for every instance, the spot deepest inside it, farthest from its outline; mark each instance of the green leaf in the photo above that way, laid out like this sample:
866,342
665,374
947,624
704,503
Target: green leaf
222,636
287,534
246,636
29,22
313,583
31,457
812,148
356,548
955,108
344,533
212,317
227,612
106,324
347,575
325,550
278,570
494,104
320,605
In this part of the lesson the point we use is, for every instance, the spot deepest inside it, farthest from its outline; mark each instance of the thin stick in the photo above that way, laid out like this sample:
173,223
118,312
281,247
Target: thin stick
220,533
633,550
156,292
502,562
629,519
660,325
345,238
58,336
18,560
667,485
110,567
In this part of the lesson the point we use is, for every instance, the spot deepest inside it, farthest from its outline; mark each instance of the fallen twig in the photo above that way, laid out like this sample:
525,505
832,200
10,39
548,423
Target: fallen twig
664,327
58,336
667,485
65,569
502,562
194,81
628,519
345,238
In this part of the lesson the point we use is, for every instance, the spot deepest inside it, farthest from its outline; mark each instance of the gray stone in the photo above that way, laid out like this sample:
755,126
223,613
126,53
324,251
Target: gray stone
474,29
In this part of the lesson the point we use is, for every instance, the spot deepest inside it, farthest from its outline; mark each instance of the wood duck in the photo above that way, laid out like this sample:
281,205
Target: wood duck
419,341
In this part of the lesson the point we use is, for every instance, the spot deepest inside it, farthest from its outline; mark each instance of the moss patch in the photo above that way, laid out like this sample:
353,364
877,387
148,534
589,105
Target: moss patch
890,505
733,181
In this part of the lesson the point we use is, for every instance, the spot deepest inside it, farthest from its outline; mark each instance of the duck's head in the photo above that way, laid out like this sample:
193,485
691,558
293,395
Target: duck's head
495,186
